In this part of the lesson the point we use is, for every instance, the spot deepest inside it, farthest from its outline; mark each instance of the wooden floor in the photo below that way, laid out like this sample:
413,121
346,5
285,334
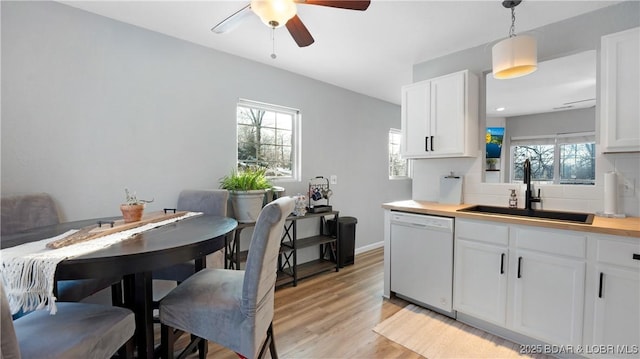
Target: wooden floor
332,315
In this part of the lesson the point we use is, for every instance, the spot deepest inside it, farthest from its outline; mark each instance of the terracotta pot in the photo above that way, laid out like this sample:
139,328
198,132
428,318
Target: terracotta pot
132,212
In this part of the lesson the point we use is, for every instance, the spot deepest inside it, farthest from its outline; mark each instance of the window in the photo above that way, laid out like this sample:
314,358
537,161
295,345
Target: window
398,167
268,137
560,159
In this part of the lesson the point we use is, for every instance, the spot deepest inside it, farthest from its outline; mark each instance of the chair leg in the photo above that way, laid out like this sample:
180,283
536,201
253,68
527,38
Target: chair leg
167,341
269,341
116,295
272,345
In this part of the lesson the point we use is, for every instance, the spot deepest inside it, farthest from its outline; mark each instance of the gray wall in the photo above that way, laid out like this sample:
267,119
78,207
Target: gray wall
91,106
555,40
552,123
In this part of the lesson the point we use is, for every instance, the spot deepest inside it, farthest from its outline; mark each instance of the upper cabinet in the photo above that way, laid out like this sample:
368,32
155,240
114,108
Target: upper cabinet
440,117
620,91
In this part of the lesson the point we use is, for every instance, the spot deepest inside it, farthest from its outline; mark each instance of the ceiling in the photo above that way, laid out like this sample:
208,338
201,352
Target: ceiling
565,83
370,52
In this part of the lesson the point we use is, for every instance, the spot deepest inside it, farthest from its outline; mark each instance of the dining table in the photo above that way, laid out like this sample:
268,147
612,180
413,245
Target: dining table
135,258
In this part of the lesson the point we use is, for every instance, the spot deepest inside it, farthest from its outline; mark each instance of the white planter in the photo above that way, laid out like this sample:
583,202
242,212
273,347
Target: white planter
247,204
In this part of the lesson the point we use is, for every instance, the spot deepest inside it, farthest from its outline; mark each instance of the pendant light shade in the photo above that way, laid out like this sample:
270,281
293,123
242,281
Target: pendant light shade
514,57
274,13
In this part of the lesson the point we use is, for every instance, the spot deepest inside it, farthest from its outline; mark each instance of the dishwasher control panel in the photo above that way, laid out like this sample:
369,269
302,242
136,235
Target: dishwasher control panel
421,220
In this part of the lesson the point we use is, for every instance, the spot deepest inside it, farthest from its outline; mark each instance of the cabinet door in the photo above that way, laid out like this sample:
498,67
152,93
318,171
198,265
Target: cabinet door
617,309
416,117
620,90
447,131
548,297
480,280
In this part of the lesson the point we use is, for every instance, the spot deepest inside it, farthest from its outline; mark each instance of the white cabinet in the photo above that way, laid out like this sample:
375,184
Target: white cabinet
620,91
440,117
480,262
615,296
529,280
548,276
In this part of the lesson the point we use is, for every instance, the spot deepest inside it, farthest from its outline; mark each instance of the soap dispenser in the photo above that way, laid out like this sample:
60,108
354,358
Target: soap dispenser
513,199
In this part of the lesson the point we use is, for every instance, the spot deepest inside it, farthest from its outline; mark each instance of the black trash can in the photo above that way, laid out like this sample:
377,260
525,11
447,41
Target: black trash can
347,240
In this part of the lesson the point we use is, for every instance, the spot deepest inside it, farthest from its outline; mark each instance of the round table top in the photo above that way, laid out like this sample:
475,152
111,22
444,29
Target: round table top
177,242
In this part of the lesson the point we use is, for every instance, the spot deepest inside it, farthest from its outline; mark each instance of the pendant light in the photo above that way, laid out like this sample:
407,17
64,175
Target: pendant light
274,13
514,56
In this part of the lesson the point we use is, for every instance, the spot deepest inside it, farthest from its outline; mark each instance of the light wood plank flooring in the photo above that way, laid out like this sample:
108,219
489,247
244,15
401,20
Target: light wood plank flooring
332,315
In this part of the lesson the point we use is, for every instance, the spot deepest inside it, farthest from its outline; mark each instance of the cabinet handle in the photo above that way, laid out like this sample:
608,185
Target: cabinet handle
519,266
431,143
502,263
426,143
600,285
636,256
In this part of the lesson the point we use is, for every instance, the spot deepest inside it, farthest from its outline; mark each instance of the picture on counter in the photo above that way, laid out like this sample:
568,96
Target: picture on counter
494,138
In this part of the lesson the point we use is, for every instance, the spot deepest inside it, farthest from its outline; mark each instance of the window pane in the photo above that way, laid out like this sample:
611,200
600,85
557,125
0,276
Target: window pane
577,163
284,121
265,138
541,157
398,167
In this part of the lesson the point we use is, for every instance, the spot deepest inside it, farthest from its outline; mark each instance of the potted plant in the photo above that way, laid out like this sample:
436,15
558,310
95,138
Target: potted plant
247,190
133,208
491,163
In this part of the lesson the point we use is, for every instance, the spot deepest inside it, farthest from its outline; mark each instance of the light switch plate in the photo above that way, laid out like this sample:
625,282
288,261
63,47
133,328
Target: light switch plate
333,179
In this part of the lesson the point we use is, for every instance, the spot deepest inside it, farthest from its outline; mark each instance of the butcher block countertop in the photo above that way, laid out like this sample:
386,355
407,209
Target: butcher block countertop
629,227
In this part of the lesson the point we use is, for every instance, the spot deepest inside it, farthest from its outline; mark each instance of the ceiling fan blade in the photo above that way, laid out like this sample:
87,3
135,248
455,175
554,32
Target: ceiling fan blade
232,21
341,4
299,32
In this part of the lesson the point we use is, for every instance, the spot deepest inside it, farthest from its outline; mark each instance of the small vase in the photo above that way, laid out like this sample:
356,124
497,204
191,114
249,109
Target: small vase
132,212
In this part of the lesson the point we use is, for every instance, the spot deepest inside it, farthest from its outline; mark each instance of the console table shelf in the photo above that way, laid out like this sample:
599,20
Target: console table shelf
289,271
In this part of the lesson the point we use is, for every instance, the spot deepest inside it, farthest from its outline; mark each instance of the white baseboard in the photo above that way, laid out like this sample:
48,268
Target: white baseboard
369,247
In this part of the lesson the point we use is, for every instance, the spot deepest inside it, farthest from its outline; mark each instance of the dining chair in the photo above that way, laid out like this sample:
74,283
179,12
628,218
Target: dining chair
233,308
27,211
77,330
212,202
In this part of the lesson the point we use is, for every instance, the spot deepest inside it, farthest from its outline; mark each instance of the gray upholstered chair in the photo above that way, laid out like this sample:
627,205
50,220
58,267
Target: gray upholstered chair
213,202
233,308
27,211
78,330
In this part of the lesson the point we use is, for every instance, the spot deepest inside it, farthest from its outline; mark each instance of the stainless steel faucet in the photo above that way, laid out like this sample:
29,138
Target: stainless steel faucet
528,195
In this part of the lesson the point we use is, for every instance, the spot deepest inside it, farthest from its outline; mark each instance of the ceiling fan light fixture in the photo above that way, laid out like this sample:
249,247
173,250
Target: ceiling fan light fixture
514,56
274,13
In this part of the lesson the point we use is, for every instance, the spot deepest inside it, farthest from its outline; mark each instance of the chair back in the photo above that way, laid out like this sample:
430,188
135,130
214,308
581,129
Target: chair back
22,212
9,348
262,260
212,201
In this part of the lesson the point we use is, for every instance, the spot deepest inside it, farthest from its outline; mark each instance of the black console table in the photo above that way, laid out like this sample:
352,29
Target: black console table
289,271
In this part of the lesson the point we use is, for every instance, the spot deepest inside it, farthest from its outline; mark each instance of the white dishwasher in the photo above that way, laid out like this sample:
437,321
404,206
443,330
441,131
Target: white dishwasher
422,260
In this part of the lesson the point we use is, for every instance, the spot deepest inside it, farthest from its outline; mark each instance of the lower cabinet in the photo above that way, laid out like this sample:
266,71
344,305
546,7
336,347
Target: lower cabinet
548,297
614,297
480,267
526,279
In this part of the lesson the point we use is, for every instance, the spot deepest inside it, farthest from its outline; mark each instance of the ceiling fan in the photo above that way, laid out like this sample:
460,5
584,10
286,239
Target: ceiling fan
277,13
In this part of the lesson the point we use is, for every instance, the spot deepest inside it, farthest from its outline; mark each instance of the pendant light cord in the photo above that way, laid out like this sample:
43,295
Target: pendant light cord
512,30
273,43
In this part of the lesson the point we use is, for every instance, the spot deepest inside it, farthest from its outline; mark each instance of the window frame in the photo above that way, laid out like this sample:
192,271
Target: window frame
556,141
395,131
295,135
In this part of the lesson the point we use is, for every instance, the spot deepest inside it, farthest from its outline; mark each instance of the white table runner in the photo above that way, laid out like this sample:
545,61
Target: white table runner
28,270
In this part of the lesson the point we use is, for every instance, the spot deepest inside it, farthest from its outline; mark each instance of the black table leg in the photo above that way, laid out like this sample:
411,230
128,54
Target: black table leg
139,295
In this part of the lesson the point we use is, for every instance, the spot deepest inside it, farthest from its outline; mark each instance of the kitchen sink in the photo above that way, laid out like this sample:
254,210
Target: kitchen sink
575,217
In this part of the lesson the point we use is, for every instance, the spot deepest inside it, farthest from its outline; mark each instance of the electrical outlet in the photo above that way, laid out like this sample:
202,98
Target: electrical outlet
333,179
628,187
